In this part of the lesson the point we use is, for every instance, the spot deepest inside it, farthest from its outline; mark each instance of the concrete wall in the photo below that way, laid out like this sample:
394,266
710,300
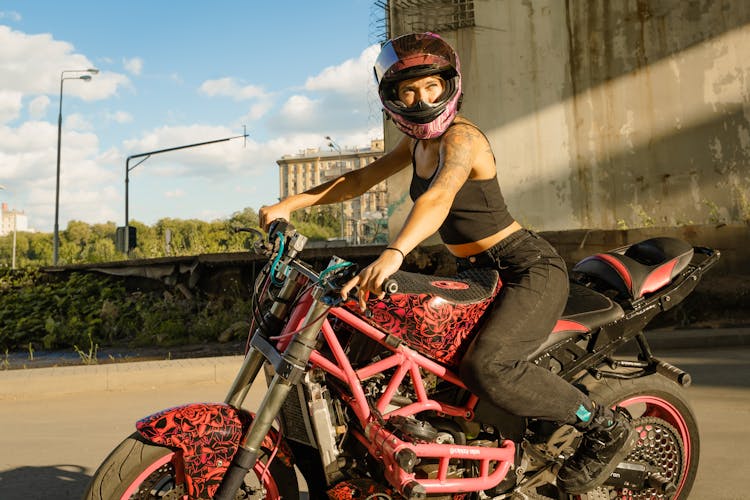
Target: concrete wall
606,114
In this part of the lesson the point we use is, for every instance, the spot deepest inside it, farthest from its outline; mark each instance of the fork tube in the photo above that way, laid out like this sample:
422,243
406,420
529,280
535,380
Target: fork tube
251,365
291,370
254,358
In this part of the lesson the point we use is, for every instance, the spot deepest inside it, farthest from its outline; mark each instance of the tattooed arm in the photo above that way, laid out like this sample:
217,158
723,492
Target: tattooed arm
459,147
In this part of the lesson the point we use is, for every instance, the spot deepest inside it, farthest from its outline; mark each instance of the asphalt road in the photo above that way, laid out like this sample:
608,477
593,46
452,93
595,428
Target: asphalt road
50,446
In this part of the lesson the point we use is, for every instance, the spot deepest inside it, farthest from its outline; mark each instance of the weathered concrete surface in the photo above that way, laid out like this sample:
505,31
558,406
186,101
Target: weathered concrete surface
603,114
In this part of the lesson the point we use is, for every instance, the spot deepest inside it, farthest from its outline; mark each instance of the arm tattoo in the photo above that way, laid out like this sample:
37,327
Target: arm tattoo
456,158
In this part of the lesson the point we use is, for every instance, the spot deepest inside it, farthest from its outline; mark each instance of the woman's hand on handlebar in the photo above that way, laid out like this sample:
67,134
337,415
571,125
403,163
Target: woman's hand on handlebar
270,213
371,278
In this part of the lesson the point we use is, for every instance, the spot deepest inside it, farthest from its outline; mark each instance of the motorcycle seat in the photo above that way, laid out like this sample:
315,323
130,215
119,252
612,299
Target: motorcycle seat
585,310
635,270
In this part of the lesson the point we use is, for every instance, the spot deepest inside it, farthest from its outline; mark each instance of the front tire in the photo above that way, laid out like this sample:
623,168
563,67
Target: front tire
139,470
667,427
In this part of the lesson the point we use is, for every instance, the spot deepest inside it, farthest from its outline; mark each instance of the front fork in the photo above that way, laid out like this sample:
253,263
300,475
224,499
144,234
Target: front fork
290,367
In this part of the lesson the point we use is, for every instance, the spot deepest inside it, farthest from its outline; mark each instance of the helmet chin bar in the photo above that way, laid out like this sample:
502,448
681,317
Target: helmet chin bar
423,112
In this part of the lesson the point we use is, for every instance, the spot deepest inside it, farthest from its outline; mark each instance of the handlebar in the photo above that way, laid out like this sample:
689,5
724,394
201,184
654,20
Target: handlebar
284,241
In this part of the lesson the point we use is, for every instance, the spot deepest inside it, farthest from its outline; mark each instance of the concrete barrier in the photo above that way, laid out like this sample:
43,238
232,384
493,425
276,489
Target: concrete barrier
33,382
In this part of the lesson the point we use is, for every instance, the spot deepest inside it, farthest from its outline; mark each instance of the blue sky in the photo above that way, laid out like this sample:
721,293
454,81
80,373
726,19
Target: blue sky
171,74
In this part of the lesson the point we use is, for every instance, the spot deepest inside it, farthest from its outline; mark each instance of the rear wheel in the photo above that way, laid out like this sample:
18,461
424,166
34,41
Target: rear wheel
667,431
140,470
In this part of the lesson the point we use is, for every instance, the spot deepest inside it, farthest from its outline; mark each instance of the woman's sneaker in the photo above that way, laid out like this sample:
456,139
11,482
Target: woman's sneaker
608,437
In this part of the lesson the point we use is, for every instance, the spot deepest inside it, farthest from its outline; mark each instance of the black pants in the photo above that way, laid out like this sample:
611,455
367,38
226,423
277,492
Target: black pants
535,289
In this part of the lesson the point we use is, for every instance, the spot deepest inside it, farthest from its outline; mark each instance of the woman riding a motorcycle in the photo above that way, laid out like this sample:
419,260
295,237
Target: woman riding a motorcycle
455,191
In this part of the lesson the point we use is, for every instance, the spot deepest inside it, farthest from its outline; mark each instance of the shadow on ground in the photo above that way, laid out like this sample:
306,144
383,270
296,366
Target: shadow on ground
61,482
58,482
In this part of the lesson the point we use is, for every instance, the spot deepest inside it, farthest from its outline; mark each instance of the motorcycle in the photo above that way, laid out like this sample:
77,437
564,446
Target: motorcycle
367,405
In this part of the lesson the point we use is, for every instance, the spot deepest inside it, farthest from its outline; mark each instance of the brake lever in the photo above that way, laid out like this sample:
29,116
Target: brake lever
260,245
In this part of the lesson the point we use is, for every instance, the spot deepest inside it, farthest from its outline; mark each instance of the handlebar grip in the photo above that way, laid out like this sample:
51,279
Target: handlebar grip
390,286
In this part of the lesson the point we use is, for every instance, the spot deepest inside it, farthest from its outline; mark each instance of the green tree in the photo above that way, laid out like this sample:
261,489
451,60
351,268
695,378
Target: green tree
73,242
40,249
81,242
318,223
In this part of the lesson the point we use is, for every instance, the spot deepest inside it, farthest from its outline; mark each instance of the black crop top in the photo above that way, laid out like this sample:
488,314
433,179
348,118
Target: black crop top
478,210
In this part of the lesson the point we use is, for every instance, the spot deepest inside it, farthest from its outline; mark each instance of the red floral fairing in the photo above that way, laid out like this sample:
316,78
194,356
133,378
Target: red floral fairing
432,325
208,435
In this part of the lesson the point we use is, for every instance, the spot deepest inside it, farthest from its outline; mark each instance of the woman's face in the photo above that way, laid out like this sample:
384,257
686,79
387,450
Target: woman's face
425,88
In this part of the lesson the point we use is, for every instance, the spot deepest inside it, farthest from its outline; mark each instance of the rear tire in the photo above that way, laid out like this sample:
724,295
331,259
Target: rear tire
137,469
668,431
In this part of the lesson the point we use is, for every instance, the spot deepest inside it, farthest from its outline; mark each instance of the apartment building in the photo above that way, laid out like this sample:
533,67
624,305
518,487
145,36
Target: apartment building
364,218
11,220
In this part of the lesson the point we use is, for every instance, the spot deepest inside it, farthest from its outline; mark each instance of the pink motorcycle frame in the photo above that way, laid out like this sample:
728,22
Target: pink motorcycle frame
381,442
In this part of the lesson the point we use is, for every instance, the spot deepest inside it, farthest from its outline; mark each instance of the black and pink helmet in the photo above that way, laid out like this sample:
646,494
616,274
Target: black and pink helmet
413,56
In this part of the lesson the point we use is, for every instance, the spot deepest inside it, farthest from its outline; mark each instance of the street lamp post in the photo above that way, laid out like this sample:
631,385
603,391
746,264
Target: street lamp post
13,259
86,78
334,145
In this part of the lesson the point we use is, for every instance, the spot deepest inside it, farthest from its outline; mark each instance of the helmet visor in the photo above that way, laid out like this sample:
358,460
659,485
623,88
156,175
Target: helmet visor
385,60
414,55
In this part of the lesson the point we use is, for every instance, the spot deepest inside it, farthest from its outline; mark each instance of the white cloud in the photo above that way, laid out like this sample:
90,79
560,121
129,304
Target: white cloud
230,87
11,15
133,66
32,65
30,136
120,117
257,111
353,76
300,110
88,182
76,121
10,105
340,100
38,106
177,193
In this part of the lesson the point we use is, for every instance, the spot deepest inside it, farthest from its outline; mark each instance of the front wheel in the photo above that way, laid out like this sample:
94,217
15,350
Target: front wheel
139,470
668,432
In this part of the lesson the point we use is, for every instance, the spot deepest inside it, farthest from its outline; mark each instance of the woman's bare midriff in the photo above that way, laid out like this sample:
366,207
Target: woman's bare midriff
475,247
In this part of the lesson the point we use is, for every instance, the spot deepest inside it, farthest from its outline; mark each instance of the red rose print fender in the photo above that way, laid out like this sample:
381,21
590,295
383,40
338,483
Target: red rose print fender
208,435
